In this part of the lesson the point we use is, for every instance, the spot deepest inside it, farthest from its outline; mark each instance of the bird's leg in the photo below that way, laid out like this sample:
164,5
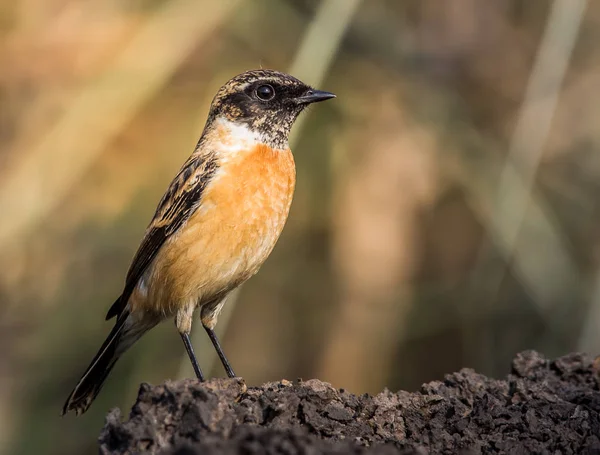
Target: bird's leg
183,321
190,350
208,315
215,341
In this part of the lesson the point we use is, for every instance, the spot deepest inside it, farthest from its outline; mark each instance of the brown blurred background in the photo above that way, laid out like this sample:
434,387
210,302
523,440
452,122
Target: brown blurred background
446,215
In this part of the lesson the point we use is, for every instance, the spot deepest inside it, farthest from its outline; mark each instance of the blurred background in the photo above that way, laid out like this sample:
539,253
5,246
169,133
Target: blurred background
447,211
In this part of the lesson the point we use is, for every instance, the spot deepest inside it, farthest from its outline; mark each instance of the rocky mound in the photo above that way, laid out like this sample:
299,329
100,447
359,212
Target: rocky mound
542,407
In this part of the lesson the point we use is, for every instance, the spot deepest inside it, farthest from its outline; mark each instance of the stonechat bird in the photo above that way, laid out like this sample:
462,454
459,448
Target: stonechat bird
216,224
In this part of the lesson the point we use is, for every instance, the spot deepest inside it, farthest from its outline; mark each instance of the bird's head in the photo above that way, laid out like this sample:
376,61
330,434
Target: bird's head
265,101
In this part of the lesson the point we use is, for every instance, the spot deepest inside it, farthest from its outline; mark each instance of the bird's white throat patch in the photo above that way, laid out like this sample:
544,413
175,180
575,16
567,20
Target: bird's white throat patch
239,135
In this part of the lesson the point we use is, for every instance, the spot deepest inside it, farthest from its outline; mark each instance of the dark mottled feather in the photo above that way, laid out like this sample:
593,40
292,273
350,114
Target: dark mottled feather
177,205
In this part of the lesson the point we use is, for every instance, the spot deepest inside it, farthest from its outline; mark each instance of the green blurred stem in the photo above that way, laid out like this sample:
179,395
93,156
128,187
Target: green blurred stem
518,224
101,108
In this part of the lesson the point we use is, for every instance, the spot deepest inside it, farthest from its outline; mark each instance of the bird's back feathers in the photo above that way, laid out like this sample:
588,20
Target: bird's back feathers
175,208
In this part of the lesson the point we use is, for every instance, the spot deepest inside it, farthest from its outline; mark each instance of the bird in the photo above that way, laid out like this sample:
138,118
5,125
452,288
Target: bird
216,224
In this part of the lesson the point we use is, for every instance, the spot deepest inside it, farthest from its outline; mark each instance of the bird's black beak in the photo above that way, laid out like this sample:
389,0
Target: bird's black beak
314,96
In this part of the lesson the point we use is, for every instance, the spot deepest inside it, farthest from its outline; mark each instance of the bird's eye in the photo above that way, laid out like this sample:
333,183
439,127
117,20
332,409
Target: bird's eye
265,92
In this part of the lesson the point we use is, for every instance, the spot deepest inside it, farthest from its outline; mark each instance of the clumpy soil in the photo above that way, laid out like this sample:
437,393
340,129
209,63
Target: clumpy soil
542,407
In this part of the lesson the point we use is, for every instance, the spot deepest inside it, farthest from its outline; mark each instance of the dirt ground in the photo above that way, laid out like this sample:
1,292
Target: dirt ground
542,407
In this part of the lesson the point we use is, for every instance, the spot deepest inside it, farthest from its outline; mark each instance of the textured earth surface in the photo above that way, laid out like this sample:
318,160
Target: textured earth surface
542,407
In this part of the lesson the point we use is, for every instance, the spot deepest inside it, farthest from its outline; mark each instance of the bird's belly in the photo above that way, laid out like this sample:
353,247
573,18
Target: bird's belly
226,240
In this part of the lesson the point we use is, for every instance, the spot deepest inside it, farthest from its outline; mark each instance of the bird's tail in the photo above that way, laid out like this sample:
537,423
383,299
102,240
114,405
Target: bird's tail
122,336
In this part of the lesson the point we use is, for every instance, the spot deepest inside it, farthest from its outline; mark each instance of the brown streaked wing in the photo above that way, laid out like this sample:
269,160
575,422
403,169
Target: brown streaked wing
177,205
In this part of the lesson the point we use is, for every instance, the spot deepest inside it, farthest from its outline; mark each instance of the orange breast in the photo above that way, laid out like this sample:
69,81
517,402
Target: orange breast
242,213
